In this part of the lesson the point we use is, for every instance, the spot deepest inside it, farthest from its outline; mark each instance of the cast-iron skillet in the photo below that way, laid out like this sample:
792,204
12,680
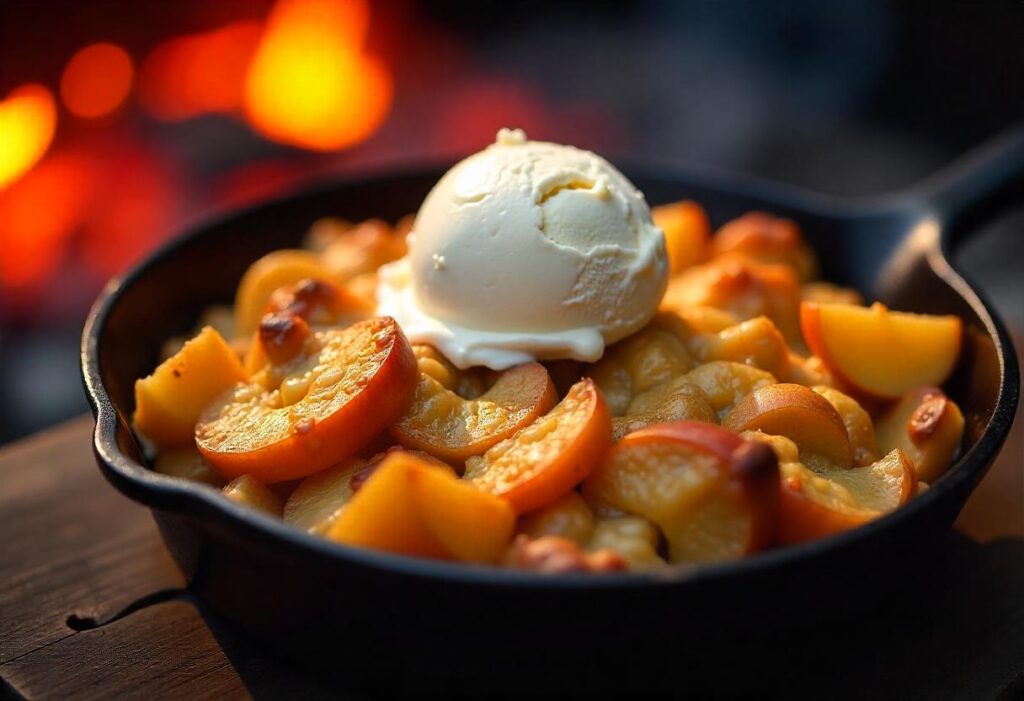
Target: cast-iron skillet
392,620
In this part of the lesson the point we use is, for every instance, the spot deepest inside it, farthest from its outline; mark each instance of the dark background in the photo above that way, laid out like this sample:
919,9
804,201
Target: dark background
850,98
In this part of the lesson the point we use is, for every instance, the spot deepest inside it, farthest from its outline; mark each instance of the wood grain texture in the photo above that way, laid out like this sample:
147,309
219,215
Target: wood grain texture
72,546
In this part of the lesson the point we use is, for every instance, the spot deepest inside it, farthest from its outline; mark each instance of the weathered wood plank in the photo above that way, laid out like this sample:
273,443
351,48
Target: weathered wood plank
70,543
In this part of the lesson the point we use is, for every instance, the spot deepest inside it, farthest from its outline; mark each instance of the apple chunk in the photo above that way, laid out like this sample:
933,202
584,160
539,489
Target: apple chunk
928,426
444,424
819,504
712,494
880,352
550,456
798,413
413,507
169,402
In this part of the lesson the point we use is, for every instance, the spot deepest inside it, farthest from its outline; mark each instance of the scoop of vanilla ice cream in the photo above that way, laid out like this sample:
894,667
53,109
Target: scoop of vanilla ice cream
527,250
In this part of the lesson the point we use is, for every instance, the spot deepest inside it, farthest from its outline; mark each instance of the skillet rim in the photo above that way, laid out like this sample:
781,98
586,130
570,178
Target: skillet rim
200,502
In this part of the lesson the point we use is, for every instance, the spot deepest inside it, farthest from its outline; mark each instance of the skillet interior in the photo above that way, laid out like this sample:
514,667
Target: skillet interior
274,579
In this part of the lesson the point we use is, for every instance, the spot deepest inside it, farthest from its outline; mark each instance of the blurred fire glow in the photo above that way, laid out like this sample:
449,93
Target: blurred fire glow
310,84
96,204
28,119
200,73
96,80
38,214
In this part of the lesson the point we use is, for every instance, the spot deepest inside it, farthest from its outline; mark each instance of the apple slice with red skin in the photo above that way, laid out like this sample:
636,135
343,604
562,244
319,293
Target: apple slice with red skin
881,353
798,413
819,504
712,494
350,385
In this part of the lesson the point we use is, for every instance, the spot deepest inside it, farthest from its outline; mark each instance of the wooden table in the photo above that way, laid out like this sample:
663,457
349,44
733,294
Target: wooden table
91,606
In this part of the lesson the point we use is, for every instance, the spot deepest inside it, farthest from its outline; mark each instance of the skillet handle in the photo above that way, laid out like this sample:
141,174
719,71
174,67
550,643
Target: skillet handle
976,187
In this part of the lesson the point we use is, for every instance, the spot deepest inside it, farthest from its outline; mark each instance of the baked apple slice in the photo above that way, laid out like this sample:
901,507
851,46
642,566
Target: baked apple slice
882,353
798,413
363,248
414,507
686,228
266,275
251,492
320,302
859,426
742,287
765,238
757,342
442,423
568,517
319,499
676,400
321,407
713,495
188,464
652,356
168,403
819,504
926,425
725,383
634,538
550,456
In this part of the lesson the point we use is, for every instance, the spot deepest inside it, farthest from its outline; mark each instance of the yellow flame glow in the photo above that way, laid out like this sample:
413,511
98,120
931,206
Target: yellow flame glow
28,118
310,84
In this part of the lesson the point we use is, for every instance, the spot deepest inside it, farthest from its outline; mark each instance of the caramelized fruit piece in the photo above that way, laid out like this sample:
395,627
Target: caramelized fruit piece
187,463
765,238
815,505
547,458
725,383
555,555
442,423
318,500
320,302
705,319
806,371
291,421
635,539
859,427
266,275
413,507
797,413
743,288
713,495
677,400
928,426
653,355
882,353
568,517
362,249
254,494
755,342
686,229
168,402
469,384
282,336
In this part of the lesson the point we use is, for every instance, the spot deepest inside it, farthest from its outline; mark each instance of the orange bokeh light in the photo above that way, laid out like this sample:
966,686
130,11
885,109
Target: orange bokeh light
28,118
310,84
200,73
96,80
37,216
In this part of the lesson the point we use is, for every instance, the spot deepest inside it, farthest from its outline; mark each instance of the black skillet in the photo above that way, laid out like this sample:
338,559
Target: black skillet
392,622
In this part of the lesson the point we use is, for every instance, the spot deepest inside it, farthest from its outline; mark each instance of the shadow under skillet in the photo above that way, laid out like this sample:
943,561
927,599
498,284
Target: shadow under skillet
952,629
